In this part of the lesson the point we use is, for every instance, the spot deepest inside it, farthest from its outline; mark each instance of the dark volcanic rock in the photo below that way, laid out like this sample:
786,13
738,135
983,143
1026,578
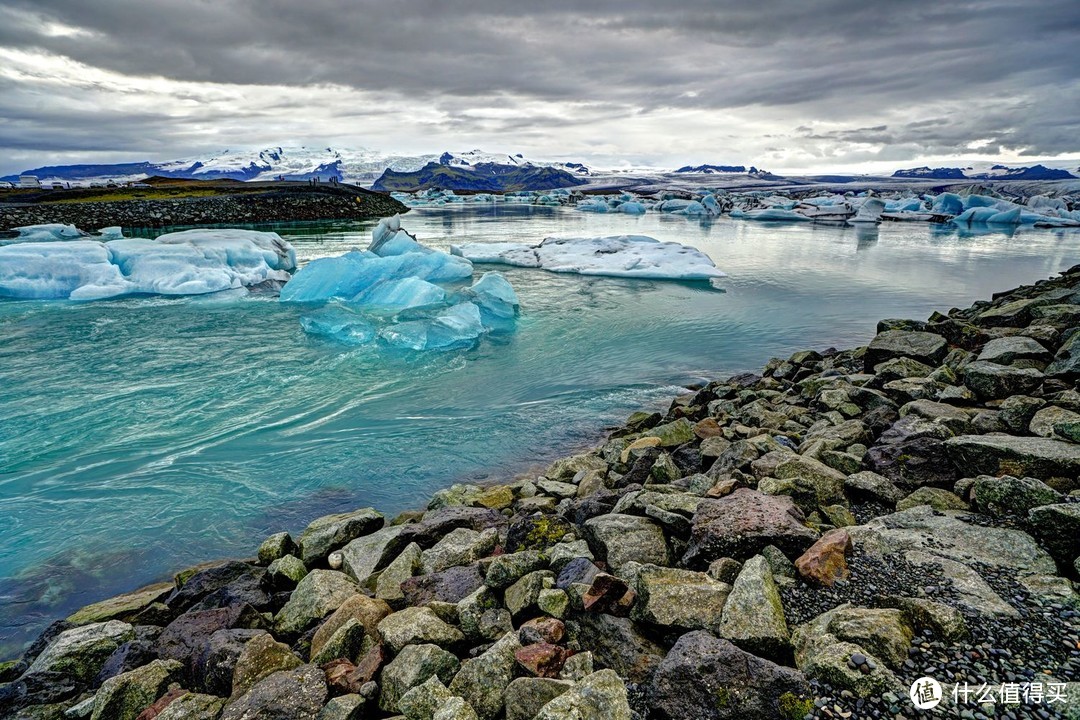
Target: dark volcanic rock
450,585
709,678
615,642
437,523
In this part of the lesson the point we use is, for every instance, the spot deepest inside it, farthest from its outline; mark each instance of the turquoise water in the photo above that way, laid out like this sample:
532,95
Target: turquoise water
140,436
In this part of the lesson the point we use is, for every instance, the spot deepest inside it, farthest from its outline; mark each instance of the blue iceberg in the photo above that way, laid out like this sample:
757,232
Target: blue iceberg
497,301
456,328
340,325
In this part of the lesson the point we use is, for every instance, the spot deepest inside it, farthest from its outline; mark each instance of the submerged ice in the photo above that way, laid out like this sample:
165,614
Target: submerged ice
391,292
61,263
634,256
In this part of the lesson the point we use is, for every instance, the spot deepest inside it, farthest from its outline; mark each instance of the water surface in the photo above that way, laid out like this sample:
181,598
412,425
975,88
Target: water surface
142,435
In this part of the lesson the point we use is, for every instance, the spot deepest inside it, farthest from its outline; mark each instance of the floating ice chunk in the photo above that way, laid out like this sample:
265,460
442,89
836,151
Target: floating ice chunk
692,208
975,215
771,215
339,324
870,211
48,232
593,204
497,301
1043,204
948,204
111,233
458,327
912,204
1006,217
389,239
632,207
711,205
618,256
189,263
346,276
408,292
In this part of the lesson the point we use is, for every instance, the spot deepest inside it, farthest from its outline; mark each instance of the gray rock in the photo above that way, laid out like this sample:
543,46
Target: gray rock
1009,495
934,497
709,678
81,652
193,706
331,532
991,381
260,657
1008,350
1067,360
455,709
1042,458
823,655
951,417
1017,411
318,594
214,666
346,642
285,695
682,599
364,555
482,681
1044,422
124,696
461,547
276,546
1059,527
403,567
600,696
421,702
505,570
922,346
456,494
873,486
471,611
524,594
614,642
741,524
971,590
622,539
449,585
344,707
415,626
367,611
286,571
753,616
413,666
525,696
944,620
673,434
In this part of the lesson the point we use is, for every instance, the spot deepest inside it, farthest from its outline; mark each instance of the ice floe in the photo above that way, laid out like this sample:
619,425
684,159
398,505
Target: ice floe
634,256
193,262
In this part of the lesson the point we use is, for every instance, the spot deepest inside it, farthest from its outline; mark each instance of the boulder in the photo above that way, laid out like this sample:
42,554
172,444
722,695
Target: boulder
213,667
1066,362
286,572
367,611
991,381
297,694
541,659
403,567
80,652
536,532
925,347
825,561
413,666
753,616
364,555
318,594
344,707
673,434
626,538
455,709
709,678
460,547
347,642
505,570
615,642
1010,350
872,486
482,680
1042,458
415,626
276,546
744,522
122,607
260,657
435,524
124,696
681,599
1008,495
523,595
950,416
1059,528
332,532
600,696
525,696
1044,422
192,706
845,665
449,585
421,702
206,582
934,497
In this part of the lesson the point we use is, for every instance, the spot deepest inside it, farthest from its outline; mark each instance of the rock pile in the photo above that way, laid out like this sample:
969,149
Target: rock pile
803,543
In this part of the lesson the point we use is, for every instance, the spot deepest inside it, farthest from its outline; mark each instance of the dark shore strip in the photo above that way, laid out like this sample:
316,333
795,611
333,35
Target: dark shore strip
295,204
807,542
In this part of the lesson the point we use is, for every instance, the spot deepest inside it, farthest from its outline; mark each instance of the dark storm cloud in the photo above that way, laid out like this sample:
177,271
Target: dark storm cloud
791,63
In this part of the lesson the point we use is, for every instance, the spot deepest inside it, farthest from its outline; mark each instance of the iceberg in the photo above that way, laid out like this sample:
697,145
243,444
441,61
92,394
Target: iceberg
771,215
345,277
593,204
870,211
48,232
497,301
632,207
947,204
400,294
340,325
912,204
456,328
975,215
1005,217
633,256
193,262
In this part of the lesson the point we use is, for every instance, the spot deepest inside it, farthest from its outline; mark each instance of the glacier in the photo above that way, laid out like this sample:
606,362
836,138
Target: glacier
632,256
193,262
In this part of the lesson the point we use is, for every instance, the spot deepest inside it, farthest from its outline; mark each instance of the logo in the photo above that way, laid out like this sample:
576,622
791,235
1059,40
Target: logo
925,693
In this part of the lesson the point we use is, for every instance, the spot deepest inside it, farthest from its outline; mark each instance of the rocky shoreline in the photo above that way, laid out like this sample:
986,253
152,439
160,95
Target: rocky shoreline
808,542
295,204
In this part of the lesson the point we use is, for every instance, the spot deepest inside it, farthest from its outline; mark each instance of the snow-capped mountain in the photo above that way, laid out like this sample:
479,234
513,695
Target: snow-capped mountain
293,163
990,171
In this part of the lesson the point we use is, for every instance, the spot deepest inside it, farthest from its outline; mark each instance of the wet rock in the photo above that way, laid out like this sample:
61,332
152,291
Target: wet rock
525,696
285,572
712,679
600,696
364,555
566,468
449,585
456,494
741,524
211,580
332,532
417,625
753,616
261,656
123,607
825,561
1009,495
297,694
318,594
615,642
413,666
80,652
626,538
991,381
683,599
367,611
934,497
276,546
400,569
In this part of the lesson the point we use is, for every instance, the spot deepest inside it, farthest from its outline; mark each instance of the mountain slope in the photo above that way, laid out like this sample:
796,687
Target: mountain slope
485,177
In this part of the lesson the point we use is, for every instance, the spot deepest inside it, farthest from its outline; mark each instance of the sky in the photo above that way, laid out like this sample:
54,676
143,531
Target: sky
787,85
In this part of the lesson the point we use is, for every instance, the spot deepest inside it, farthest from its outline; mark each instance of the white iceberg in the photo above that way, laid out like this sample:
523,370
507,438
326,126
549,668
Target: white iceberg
870,211
772,214
593,204
632,207
194,262
634,256
456,328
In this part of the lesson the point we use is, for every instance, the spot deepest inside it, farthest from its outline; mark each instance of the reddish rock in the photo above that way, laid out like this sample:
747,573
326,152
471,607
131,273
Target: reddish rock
344,677
542,659
542,630
161,703
708,428
722,488
608,594
826,560
337,676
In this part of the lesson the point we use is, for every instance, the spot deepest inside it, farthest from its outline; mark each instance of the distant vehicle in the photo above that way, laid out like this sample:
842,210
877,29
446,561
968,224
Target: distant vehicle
29,181
139,185
4,184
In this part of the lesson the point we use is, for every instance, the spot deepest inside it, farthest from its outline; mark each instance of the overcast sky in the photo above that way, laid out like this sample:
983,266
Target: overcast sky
787,85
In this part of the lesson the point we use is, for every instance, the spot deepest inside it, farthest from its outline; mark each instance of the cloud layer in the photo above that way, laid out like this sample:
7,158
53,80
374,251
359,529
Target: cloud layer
785,85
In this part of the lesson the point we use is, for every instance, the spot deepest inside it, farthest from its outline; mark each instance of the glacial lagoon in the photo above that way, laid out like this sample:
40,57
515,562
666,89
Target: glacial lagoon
142,435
